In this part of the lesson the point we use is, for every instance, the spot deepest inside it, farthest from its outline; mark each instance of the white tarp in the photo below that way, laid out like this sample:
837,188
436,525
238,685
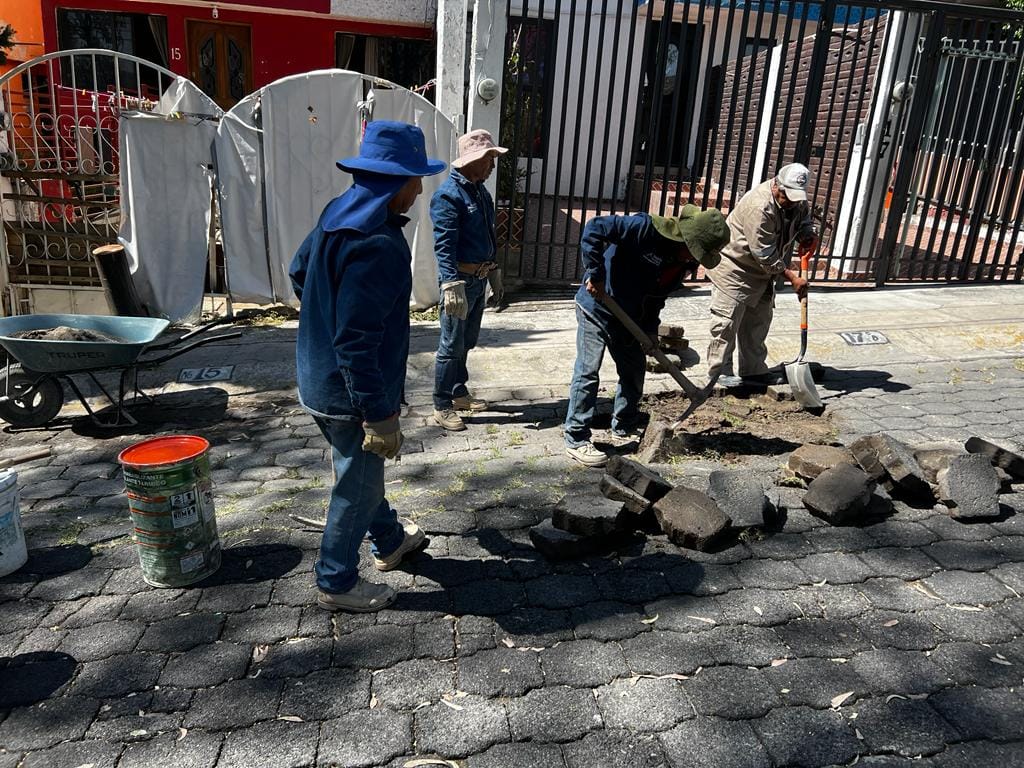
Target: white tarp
308,122
165,199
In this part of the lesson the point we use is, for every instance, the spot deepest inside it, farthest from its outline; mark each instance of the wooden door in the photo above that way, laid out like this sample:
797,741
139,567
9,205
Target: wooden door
220,60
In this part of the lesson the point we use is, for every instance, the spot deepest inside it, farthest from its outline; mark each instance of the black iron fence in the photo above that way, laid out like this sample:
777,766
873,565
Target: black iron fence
909,114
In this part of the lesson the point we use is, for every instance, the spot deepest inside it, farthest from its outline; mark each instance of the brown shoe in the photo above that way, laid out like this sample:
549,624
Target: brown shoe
449,419
469,403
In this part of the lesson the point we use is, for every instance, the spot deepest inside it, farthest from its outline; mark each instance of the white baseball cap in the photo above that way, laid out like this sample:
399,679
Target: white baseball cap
793,179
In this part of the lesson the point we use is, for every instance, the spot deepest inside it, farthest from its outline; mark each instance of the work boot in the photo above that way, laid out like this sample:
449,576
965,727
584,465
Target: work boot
449,419
730,382
587,455
413,540
625,436
469,403
364,597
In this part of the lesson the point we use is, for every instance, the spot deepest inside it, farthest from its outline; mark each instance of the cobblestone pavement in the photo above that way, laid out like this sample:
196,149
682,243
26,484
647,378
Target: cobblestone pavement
808,646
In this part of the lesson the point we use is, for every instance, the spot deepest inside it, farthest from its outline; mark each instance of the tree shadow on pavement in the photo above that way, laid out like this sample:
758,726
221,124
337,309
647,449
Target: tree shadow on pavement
840,383
32,677
45,562
249,564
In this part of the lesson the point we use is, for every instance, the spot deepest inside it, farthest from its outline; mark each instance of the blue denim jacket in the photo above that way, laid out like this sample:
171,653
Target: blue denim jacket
463,216
353,341
639,268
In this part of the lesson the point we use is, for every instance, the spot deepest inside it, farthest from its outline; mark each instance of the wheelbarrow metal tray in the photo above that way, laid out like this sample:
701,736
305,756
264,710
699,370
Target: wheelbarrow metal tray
70,356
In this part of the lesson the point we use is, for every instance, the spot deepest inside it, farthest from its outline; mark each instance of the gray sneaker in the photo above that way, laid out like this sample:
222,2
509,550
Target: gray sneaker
364,597
449,419
587,455
413,540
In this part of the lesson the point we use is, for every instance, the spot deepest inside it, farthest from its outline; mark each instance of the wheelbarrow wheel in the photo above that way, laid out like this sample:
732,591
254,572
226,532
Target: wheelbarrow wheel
37,409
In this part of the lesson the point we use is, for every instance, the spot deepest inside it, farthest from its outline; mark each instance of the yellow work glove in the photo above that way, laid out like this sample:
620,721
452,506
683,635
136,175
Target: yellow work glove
453,299
383,438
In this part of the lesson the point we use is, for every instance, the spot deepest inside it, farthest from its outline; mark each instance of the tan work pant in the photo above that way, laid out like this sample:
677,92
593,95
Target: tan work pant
736,326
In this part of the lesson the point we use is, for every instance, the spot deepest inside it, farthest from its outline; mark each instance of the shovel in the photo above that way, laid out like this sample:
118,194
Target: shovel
798,373
696,396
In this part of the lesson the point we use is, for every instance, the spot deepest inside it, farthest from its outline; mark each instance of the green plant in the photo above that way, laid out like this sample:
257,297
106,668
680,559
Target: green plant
7,34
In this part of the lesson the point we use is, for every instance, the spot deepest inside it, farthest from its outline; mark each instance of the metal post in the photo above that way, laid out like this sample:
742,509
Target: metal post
815,80
487,63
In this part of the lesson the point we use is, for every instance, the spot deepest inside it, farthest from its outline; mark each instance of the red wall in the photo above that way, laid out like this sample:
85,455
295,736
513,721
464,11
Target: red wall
284,42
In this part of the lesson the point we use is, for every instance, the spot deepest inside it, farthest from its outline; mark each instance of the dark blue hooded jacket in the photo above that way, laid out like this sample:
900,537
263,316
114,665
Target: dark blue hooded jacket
353,276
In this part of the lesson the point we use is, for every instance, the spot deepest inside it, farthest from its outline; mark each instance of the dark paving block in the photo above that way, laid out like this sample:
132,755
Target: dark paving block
1011,574
691,519
560,591
896,595
206,665
798,736
899,562
981,713
119,675
291,745
487,598
615,749
685,613
964,555
553,714
761,607
84,582
900,533
888,671
697,579
374,647
263,625
1000,454
970,487
591,514
556,544
948,529
607,620
196,750
967,588
901,726
326,695
976,626
667,653
770,574
732,692
835,568
296,658
453,733
99,754
231,598
411,683
639,477
978,753
632,585
840,495
134,727
740,495
180,633
814,682
905,631
712,742
101,640
582,663
744,646
809,461
845,538
235,704
32,677
644,705
518,755
976,664
24,614
781,546
435,639
885,458
500,672
92,611
48,723
635,503
823,638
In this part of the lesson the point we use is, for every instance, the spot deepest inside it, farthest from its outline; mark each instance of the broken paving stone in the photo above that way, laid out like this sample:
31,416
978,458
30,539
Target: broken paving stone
632,501
841,495
636,476
883,457
556,544
935,457
669,331
690,518
1000,454
590,515
740,495
969,487
670,345
809,461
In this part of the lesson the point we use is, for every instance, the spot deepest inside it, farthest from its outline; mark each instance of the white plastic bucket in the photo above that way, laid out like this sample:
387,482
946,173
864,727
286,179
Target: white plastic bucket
13,552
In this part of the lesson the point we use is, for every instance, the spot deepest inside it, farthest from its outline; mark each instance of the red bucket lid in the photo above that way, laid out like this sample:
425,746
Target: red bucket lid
161,451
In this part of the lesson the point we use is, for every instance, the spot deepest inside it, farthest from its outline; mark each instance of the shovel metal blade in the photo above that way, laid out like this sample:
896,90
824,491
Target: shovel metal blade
802,383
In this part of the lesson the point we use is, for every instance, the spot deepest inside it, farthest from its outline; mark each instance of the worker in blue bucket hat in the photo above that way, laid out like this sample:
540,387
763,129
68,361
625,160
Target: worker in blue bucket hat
353,276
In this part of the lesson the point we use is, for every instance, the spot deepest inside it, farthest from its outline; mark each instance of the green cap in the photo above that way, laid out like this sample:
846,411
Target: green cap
705,233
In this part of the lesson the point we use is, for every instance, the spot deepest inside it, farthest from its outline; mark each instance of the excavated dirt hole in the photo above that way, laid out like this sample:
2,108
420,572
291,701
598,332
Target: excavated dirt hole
730,428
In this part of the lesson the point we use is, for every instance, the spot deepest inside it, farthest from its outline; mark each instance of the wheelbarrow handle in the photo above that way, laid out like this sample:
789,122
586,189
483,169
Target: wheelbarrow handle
691,390
188,348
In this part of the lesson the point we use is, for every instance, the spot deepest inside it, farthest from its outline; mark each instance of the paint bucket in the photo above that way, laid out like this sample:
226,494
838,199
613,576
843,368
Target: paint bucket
13,552
170,498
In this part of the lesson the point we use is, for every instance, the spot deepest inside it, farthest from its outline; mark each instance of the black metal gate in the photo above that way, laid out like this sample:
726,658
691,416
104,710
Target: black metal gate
634,105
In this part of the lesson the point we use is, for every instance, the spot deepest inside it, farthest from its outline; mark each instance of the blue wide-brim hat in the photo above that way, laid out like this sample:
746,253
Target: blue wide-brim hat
391,148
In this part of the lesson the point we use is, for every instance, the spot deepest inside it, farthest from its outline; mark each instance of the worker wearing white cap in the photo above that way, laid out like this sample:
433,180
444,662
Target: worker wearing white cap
763,225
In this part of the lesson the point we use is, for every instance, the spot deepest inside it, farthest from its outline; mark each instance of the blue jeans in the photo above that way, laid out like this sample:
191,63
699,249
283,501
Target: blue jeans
457,338
630,363
357,506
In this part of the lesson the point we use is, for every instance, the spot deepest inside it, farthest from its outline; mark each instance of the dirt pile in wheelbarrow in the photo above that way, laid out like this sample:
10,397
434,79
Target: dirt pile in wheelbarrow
729,428
67,333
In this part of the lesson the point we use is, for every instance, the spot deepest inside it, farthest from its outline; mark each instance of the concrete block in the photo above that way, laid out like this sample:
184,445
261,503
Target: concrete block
809,461
673,345
883,457
740,495
841,495
636,476
969,487
557,544
1001,455
690,518
632,501
590,515
670,331
935,457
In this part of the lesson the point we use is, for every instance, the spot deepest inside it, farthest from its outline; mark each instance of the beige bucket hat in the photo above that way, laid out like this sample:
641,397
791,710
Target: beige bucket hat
474,145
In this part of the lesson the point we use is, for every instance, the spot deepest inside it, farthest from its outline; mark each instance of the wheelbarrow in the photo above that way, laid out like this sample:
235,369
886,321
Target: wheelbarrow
31,394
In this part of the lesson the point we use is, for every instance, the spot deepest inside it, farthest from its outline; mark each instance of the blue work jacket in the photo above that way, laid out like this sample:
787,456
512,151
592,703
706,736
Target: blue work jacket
639,268
353,341
463,215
